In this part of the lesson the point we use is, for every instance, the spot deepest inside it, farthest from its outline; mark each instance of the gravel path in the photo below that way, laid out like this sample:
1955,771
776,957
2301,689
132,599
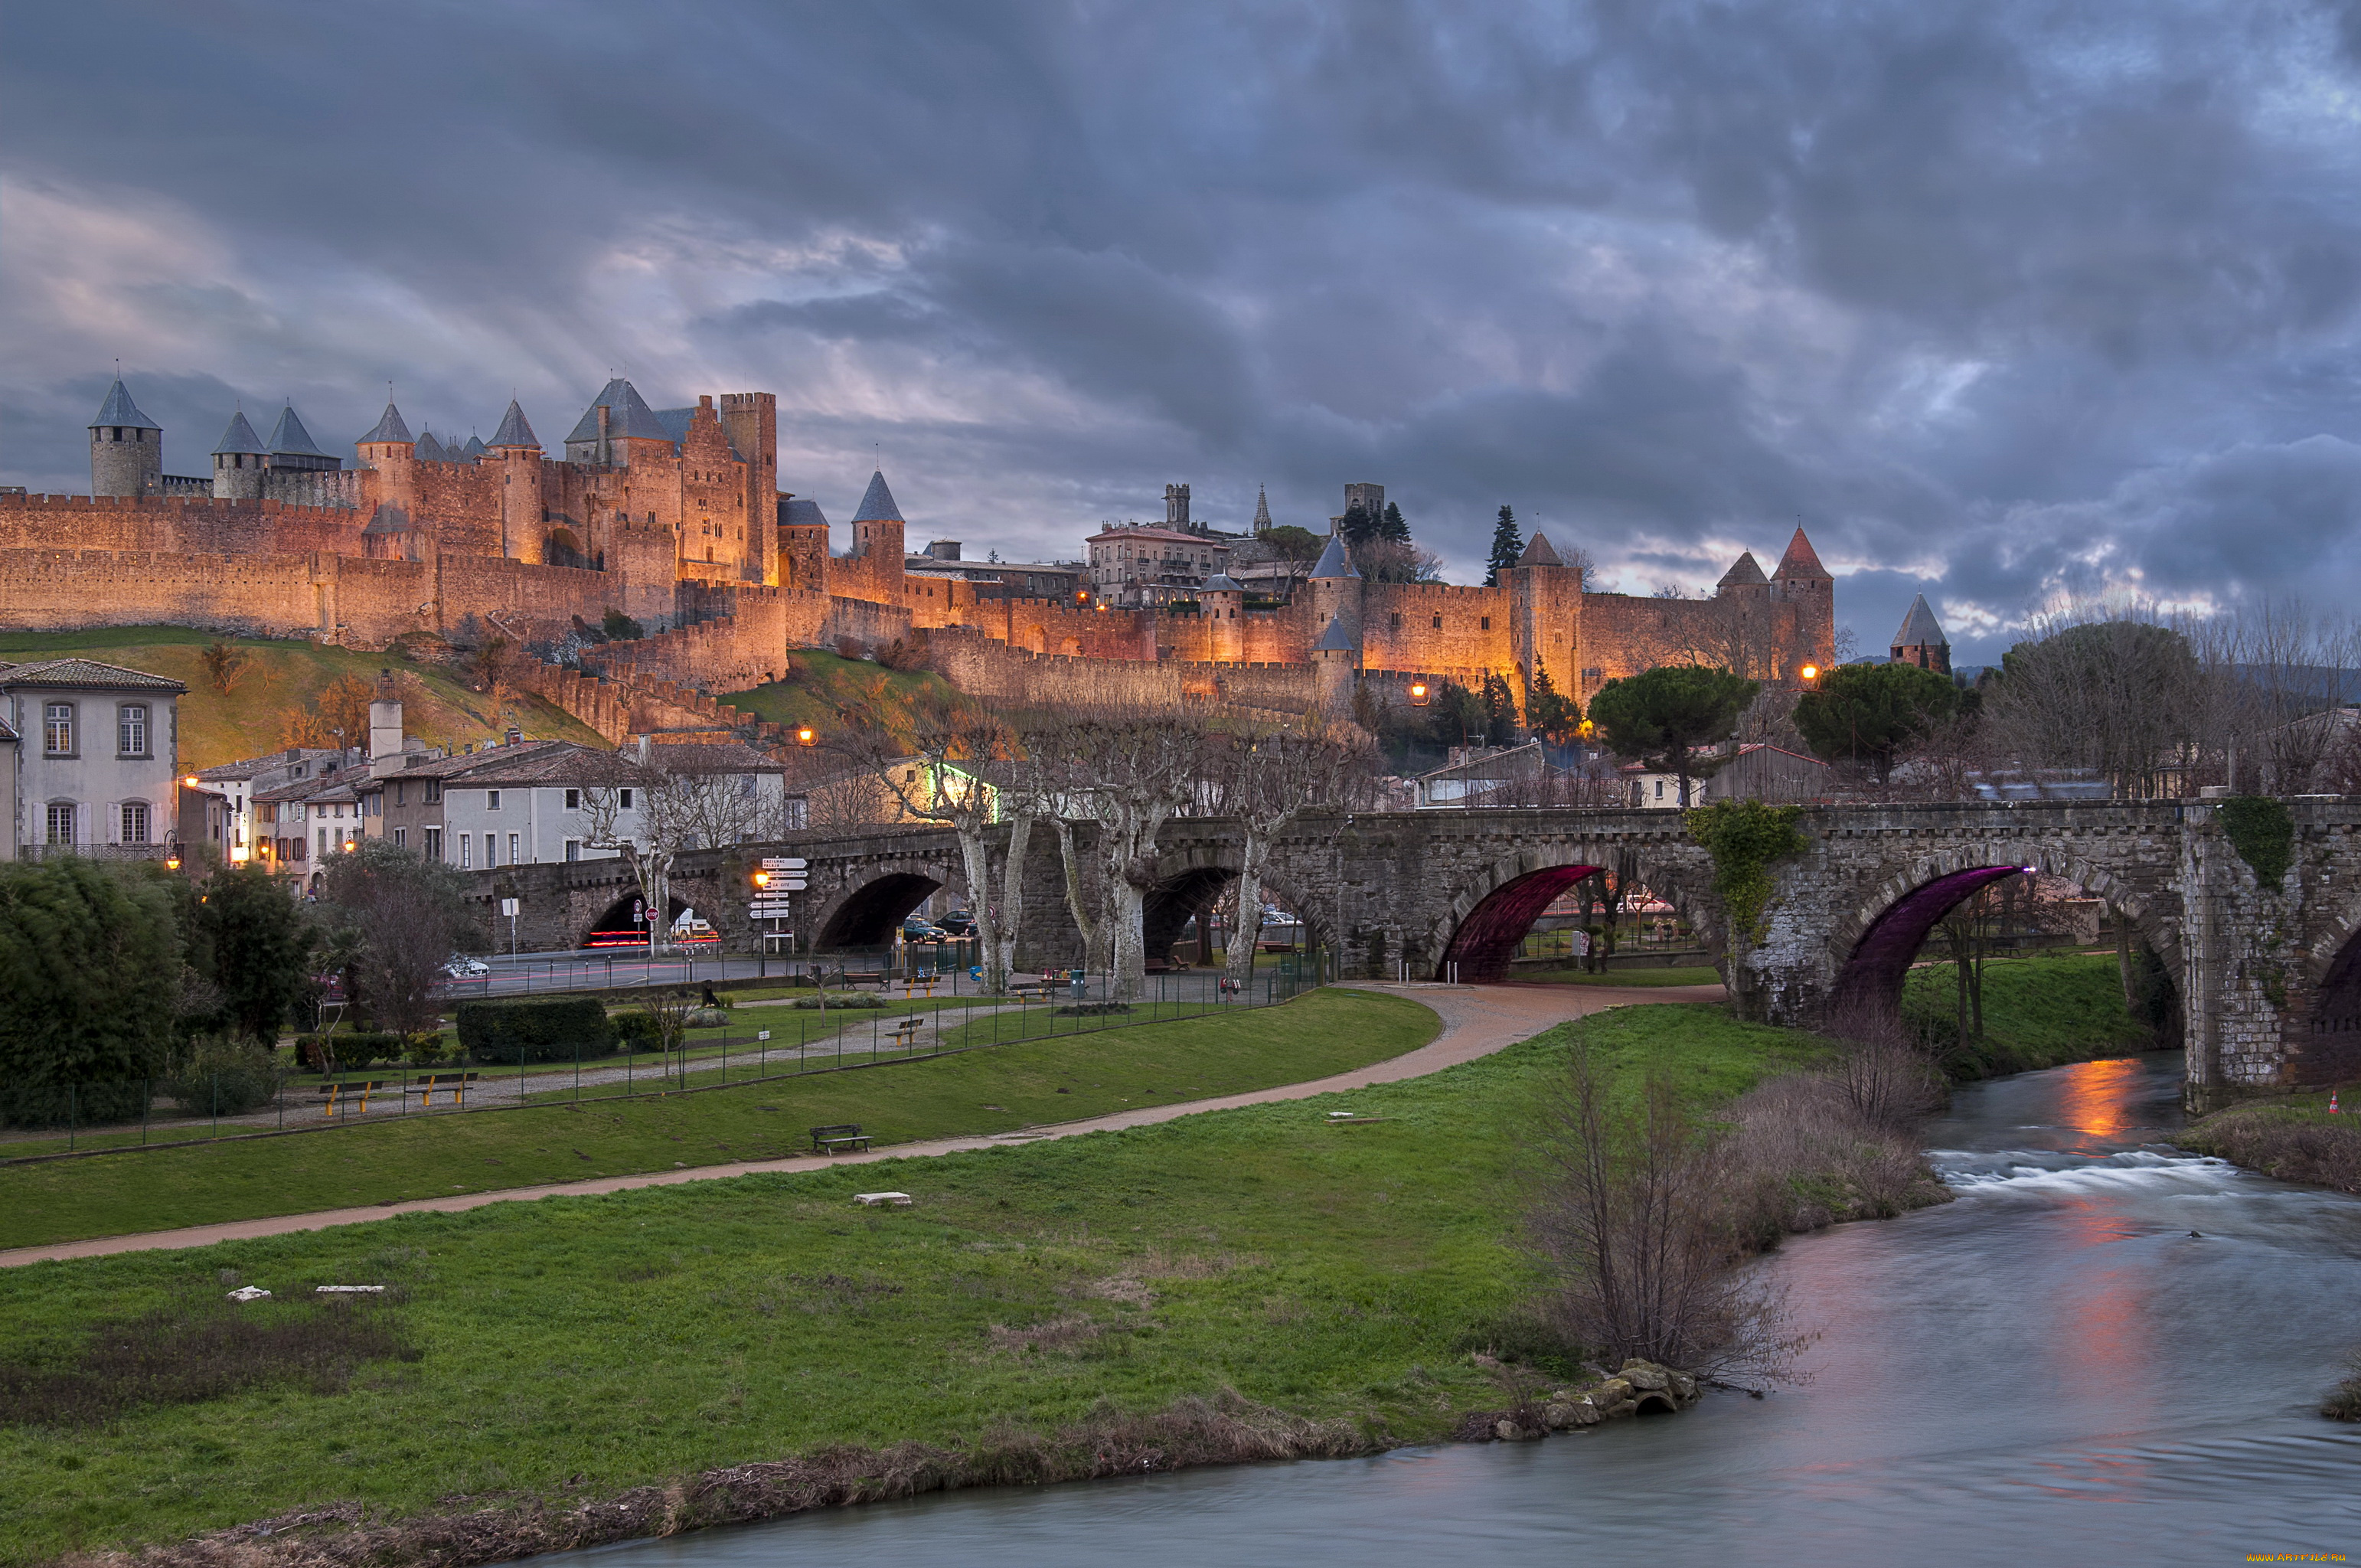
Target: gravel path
1477,1021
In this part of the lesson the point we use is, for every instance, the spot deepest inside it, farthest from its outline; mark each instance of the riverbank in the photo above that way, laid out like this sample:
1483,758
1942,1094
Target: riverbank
2042,1010
1238,1284
2294,1139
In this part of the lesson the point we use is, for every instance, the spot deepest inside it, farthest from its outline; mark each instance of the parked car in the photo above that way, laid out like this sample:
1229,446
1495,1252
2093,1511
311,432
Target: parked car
916,930
459,966
958,923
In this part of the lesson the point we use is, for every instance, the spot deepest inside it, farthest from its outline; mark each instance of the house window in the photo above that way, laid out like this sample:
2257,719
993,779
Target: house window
432,839
397,792
62,823
401,838
574,848
491,800
323,843
58,730
434,791
466,851
135,822
512,849
1660,789
492,851
573,800
131,731
623,799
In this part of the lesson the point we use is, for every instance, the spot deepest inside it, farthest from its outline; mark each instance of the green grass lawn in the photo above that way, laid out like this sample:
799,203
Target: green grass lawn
287,673
2043,1010
570,1348
822,684
996,1091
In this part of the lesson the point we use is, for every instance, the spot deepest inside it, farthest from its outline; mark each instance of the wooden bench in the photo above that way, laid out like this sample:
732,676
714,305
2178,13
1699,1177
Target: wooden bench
1028,985
457,1082
913,985
907,1030
843,1135
329,1092
871,977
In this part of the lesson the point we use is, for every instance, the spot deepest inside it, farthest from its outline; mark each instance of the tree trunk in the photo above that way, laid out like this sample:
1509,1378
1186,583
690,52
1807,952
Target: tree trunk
1248,932
1075,904
1001,962
975,858
1127,910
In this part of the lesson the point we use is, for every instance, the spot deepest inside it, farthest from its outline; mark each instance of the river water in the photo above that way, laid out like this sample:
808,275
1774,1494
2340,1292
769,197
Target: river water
2051,1370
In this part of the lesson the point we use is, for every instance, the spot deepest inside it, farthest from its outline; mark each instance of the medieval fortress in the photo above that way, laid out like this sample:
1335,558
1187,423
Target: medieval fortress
677,518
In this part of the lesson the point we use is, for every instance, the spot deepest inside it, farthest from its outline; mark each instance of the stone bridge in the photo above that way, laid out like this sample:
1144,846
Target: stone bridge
2268,981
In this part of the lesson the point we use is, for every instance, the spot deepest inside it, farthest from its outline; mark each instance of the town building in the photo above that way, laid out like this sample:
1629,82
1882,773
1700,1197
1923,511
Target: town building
1135,567
94,759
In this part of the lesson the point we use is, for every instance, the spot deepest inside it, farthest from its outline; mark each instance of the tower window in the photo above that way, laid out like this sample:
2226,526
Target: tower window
1484,624
1394,622
1438,624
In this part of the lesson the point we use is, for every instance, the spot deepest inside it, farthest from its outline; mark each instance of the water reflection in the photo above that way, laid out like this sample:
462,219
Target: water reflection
2049,1370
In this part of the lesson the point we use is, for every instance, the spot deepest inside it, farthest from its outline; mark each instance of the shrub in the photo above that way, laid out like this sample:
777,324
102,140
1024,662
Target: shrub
29,1104
637,1032
533,1029
424,1050
838,999
223,1078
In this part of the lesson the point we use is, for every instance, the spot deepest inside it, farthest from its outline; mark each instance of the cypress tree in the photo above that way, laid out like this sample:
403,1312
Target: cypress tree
1393,526
1507,545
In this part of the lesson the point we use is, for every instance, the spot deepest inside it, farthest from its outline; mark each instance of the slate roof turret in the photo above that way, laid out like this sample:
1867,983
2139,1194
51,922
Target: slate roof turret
1746,572
1334,560
474,449
1221,583
1539,551
240,438
119,409
630,417
515,430
1920,629
800,509
877,505
1801,563
288,438
389,427
429,450
1335,639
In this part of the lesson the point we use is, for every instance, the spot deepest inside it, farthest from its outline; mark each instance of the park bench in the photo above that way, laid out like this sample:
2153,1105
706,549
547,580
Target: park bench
913,985
843,1135
863,977
907,1030
1028,985
457,1082
331,1092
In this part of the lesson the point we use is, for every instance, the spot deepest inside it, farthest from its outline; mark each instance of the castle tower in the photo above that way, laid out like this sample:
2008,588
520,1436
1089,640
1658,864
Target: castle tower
515,452
1336,661
240,459
1920,640
1545,616
1176,509
291,446
389,437
750,420
1803,582
877,539
618,429
1337,593
1370,499
1220,598
1743,580
127,448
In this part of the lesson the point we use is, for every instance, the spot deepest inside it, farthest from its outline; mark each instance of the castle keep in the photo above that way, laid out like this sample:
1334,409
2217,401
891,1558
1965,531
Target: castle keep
675,517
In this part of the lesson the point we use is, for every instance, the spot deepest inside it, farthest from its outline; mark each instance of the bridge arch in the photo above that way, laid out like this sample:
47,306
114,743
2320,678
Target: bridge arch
615,927
2326,1038
1192,877
870,907
1873,947
1491,914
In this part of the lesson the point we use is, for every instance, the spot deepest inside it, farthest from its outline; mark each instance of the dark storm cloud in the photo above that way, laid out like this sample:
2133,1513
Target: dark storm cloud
2000,300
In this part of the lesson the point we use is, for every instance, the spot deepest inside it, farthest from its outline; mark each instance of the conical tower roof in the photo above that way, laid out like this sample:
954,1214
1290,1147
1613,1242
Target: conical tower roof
475,448
1746,572
1539,551
1334,560
877,504
515,430
1920,629
631,416
119,409
288,438
1800,561
1262,508
429,450
1221,583
389,427
1335,639
240,438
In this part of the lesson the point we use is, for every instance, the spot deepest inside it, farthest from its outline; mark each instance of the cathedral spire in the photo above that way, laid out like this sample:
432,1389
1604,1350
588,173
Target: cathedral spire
1262,510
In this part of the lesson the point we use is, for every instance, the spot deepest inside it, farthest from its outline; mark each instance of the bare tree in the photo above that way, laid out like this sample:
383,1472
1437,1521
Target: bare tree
2118,693
1266,781
685,797
668,1013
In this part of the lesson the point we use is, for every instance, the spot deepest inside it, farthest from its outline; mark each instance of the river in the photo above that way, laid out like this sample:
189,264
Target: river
2051,1370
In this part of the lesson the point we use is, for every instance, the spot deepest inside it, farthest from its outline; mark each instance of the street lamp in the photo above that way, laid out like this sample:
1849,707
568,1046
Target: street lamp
1418,693
804,735
1810,673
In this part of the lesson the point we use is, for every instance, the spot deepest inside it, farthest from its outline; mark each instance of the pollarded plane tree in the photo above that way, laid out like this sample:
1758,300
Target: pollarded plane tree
679,798
1266,779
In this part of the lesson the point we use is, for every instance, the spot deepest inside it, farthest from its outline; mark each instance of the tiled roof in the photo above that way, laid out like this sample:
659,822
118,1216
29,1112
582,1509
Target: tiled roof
515,430
1335,639
90,673
1221,583
729,757
240,438
1539,551
1334,562
799,510
119,409
877,504
388,426
1920,629
676,423
1800,560
632,416
1744,573
289,436
1170,535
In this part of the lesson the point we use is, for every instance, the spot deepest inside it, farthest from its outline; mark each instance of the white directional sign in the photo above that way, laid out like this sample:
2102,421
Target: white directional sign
785,863
768,912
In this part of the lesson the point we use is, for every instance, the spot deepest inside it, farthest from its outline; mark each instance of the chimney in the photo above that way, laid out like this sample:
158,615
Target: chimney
385,728
647,744
516,735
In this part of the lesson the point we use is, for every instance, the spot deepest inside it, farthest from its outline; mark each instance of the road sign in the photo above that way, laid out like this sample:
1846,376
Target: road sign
785,863
768,912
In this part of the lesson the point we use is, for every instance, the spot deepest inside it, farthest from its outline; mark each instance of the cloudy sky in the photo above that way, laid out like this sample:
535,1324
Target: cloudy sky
2000,300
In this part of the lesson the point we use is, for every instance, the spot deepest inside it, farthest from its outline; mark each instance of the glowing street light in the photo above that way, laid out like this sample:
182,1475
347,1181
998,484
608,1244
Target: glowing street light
1810,673
804,735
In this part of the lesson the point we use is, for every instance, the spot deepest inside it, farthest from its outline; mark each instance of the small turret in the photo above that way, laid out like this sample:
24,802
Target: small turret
1219,599
127,448
1920,640
240,459
1336,666
877,526
1744,576
291,445
389,437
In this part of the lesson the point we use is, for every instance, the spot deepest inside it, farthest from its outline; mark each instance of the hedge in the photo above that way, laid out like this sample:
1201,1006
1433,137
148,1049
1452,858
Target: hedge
535,1029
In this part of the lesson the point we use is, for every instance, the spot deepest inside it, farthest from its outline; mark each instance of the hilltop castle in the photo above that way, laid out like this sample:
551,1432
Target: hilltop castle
675,517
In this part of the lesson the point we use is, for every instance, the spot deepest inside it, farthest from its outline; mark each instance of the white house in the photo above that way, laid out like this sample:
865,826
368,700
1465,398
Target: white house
95,758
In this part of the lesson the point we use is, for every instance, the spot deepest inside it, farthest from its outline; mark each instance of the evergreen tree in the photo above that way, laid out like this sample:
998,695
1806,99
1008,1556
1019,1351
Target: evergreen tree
1460,718
1667,715
1357,526
1867,713
1393,527
1499,711
258,943
88,958
1550,713
1507,545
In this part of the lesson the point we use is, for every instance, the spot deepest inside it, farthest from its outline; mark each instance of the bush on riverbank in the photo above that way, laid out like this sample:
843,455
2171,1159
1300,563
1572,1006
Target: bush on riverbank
2294,1141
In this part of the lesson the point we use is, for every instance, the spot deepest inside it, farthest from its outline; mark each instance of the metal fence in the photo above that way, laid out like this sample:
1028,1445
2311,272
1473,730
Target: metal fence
764,1040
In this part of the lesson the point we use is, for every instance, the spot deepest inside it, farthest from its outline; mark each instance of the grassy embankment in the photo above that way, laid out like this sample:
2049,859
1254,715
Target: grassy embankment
821,684
286,676
1055,1309
2294,1139
2040,1010
984,1091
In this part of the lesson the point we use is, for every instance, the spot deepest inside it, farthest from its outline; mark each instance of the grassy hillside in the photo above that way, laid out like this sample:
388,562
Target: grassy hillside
819,684
285,677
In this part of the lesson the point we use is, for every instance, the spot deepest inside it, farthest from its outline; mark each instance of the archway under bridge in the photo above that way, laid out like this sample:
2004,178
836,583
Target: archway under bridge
1489,935
869,915
618,926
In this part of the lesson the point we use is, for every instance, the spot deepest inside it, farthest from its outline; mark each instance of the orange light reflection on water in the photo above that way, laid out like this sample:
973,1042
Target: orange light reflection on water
2095,1097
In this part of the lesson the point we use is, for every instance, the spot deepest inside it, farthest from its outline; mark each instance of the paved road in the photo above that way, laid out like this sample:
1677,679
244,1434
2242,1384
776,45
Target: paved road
1477,1021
